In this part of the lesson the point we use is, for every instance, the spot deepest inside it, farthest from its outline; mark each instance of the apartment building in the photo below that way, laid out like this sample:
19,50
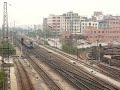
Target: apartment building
103,35
107,23
54,22
70,22
86,24
97,16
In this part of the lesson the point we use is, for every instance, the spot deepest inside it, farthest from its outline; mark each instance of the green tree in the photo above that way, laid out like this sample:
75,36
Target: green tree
11,49
79,37
69,46
1,79
39,33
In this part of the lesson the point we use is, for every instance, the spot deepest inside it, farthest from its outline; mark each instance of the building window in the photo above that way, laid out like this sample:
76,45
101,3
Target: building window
94,31
102,31
89,24
98,31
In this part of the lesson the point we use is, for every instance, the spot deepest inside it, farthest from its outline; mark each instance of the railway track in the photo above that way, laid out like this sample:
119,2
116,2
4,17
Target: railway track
78,71
52,85
107,86
82,84
79,83
47,79
116,63
74,81
100,82
83,56
112,72
24,79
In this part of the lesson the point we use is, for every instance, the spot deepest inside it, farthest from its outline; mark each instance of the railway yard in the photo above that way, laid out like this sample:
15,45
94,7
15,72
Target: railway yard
65,51
47,68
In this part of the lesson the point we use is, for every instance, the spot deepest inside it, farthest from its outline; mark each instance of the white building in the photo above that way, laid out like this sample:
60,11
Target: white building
86,24
66,22
70,22
98,15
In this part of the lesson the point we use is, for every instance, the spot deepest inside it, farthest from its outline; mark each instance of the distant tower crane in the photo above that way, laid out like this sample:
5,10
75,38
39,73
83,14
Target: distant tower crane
5,50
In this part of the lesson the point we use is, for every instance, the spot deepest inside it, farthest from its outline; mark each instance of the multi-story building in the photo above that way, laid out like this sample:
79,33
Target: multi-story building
54,22
103,35
107,23
97,16
67,22
104,25
45,24
87,24
70,22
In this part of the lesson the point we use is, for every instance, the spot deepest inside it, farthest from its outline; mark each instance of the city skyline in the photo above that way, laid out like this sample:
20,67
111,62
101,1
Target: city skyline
33,11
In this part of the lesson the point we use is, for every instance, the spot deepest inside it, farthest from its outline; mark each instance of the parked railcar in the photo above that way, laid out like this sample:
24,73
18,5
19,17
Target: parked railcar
117,57
29,45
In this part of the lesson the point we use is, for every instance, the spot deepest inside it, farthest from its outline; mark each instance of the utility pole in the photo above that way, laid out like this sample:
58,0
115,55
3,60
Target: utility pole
55,38
22,42
5,50
97,56
46,27
99,50
71,31
76,43
14,32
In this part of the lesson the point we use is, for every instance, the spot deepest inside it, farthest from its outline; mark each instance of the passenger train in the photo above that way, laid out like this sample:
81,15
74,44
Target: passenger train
27,43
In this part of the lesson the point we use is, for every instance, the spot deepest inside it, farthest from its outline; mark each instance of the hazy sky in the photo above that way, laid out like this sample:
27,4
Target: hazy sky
33,11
